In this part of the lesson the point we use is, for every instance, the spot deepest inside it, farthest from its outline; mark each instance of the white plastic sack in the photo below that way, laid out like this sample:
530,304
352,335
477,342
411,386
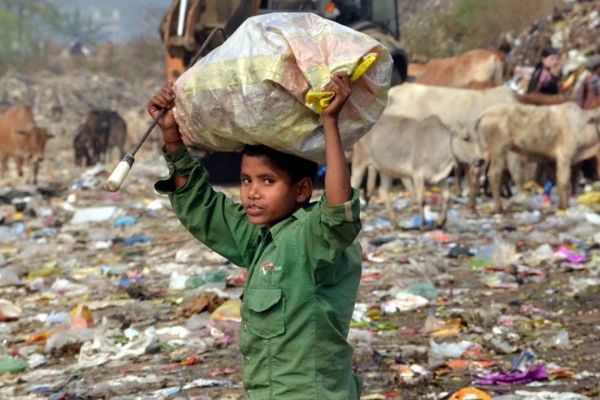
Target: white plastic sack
263,85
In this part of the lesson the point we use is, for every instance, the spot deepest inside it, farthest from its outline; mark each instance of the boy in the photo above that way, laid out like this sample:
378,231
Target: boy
303,262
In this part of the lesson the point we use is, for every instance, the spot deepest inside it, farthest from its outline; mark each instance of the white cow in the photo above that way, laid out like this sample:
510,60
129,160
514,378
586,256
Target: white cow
562,133
419,152
456,108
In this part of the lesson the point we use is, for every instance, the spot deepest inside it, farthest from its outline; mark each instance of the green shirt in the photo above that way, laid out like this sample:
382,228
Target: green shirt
303,277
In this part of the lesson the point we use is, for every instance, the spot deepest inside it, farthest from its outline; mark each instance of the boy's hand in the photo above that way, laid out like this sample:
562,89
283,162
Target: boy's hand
165,99
340,84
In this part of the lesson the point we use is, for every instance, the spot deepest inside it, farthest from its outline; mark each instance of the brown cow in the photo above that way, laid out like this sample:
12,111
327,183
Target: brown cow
475,65
22,139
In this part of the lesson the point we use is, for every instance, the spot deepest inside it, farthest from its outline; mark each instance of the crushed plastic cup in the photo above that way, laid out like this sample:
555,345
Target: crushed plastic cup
9,311
404,301
11,365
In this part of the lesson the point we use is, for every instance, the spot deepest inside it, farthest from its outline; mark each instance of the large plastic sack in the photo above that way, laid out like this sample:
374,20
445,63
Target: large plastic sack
264,86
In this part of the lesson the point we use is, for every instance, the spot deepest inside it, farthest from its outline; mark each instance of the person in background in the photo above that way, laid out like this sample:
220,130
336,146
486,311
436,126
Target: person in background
547,73
545,79
588,94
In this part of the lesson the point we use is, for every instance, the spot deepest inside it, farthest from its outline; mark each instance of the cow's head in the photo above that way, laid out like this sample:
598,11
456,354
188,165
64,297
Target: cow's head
465,145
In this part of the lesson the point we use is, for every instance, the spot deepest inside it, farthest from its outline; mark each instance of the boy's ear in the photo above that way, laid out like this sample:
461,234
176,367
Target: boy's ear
304,190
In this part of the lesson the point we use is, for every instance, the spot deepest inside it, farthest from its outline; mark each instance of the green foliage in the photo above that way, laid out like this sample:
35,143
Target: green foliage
78,26
26,24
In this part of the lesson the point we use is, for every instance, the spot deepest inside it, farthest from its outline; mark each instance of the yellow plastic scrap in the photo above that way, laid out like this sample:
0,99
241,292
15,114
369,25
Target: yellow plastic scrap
470,393
589,199
533,186
318,100
81,317
228,311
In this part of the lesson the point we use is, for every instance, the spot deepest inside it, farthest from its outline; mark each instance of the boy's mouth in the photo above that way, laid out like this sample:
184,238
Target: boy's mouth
253,209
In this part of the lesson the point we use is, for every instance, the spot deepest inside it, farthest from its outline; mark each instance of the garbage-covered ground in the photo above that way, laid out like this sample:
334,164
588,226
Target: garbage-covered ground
105,295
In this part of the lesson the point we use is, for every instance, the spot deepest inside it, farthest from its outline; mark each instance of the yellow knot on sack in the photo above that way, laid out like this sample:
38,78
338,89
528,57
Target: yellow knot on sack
319,100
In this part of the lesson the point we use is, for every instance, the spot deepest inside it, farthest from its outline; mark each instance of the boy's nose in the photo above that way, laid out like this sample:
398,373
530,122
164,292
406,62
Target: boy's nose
253,192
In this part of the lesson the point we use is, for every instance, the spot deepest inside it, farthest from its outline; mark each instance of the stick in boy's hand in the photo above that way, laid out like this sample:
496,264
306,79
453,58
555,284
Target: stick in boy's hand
160,108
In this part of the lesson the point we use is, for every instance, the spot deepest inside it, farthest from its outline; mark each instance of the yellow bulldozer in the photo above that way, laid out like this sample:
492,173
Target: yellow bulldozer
188,24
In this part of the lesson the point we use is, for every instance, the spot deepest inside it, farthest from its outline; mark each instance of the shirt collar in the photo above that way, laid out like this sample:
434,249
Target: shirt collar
299,214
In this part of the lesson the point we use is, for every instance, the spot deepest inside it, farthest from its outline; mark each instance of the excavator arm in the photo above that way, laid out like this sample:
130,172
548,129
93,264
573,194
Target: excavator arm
188,23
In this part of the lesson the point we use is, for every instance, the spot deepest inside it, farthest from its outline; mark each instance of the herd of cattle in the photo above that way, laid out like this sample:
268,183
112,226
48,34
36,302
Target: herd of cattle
456,115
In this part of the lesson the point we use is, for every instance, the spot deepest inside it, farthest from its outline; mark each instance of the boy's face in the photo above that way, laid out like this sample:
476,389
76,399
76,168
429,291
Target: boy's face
267,193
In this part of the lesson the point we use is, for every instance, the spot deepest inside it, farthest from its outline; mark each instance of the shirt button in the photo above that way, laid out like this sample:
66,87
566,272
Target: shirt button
247,358
245,327
170,165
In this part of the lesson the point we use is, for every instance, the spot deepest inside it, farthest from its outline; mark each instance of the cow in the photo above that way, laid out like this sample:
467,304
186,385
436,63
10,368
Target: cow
457,108
477,65
562,133
22,139
419,152
81,149
102,131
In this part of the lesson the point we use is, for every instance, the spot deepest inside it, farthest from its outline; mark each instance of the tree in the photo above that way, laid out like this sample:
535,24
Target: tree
23,25
77,26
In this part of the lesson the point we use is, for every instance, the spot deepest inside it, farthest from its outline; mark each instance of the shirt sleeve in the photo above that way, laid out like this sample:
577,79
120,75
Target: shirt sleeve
210,216
331,229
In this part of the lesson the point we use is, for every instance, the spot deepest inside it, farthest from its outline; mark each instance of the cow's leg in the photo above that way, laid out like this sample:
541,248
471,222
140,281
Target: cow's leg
35,167
598,165
419,185
458,174
3,166
386,185
576,172
19,164
474,175
516,168
358,172
495,177
371,182
408,186
445,206
563,178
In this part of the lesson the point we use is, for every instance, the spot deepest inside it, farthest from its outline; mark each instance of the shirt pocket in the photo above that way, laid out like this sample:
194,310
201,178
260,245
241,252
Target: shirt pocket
266,312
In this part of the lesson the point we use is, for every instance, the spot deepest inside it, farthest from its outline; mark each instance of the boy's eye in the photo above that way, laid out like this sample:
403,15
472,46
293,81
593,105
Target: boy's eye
245,181
269,181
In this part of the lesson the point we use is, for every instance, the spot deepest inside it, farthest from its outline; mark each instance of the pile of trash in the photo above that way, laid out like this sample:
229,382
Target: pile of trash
105,295
572,29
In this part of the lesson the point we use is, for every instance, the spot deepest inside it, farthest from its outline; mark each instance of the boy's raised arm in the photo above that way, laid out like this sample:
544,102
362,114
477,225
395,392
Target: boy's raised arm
165,99
337,178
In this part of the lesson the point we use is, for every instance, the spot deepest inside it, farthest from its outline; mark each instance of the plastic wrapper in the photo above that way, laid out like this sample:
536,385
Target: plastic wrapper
264,86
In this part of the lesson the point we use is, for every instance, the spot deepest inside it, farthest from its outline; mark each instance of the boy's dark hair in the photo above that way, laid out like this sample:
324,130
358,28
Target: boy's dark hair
297,167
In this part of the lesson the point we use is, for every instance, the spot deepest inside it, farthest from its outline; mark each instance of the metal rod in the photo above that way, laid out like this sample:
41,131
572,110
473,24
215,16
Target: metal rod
181,17
145,136
206,43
